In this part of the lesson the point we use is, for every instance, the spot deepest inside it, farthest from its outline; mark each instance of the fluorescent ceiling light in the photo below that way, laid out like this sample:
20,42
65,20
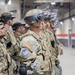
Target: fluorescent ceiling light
46,1
9,2
53,3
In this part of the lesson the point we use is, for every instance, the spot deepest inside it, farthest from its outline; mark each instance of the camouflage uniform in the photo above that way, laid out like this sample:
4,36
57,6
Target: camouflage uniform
58,47
49,38
9,39
48,47
38,45
18,39
5,60
53,52
33,47
12,49
56,50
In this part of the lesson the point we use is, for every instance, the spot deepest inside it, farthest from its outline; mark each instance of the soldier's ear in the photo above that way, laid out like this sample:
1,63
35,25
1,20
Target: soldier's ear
9,21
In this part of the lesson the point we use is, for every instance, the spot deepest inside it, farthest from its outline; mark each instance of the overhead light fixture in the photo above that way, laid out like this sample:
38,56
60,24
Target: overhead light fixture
53,3
61,23
73,18
9,2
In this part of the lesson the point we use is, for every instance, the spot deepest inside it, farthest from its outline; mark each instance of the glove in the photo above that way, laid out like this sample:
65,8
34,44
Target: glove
23,69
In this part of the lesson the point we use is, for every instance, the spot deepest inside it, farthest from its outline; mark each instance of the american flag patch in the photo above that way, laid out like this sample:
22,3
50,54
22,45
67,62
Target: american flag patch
28,45
25,52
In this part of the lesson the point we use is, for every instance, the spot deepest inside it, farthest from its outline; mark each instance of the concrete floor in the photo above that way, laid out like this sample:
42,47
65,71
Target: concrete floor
67,61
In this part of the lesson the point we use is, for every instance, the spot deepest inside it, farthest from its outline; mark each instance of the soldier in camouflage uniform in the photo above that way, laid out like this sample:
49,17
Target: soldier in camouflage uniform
58,45
7,19
53,53
4,56
59,51
56,50
34,46
50,36
10,39
19,30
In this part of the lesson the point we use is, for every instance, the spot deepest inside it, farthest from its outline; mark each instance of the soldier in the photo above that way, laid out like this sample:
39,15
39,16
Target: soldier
56,48
52,41
7,19
19,29
4,56
50,37
10,39
33,48
59,51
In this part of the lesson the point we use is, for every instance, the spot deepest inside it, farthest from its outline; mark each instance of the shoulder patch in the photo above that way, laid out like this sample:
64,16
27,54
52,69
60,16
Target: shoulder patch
28,45
25,52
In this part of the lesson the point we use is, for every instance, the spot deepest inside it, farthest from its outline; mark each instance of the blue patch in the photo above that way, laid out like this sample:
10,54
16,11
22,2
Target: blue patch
25,52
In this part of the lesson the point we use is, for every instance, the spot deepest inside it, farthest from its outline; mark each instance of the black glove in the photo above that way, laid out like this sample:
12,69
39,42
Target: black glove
23,69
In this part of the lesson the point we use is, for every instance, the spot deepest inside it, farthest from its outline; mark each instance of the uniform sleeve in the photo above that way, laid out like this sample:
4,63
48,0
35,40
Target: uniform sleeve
27,48
27,55
27,43
30,43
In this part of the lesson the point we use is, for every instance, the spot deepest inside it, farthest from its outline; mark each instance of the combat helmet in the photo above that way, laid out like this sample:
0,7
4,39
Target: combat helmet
17,25
6,16
32,15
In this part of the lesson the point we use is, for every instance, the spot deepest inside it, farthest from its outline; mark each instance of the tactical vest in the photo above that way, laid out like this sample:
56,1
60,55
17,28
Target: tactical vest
54,49
11,43
45,64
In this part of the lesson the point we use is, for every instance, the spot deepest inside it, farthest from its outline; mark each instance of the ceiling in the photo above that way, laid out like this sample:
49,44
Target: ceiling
63,6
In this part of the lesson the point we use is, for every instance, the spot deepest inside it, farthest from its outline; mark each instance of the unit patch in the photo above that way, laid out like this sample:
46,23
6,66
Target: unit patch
25,52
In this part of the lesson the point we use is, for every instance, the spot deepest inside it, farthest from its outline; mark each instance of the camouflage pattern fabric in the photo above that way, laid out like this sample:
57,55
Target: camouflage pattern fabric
10,38
41,49
5,59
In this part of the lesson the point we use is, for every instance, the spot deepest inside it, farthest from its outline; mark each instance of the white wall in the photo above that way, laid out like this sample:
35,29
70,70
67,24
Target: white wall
73,26
68,24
